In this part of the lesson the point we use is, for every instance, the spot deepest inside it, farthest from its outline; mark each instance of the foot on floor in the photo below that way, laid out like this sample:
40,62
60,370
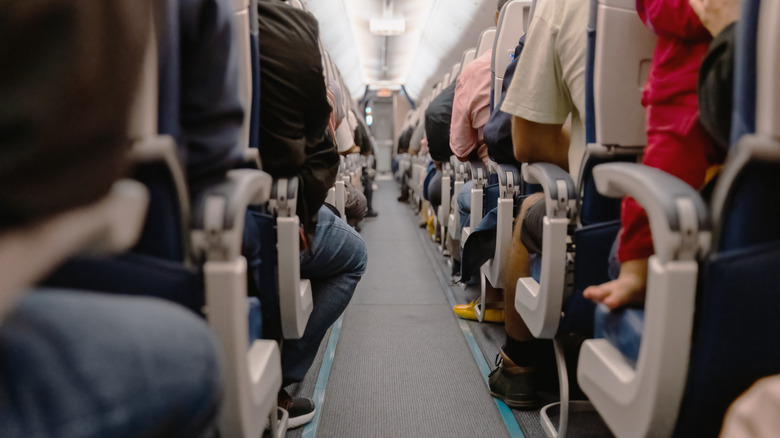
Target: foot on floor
301,409
467,311
513,384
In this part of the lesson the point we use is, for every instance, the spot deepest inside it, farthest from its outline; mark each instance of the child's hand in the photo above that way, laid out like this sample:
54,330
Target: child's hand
715,15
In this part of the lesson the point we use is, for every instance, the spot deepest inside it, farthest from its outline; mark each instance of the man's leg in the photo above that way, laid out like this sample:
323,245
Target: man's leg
514,379
89,365
334,264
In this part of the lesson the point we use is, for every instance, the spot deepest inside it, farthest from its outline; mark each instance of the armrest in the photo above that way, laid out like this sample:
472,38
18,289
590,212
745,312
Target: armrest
27,254
219,211
460,169
678,216
508,180
479,173
284,196
540,303
295,300
559,190
645,400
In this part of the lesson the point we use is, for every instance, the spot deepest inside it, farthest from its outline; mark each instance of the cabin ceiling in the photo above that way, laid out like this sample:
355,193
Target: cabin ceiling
437,32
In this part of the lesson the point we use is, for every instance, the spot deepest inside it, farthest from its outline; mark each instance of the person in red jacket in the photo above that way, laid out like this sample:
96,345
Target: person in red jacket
676,141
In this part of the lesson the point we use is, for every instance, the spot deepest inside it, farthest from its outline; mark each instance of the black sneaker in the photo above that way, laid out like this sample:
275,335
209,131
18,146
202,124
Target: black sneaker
301,409
372,213
513,384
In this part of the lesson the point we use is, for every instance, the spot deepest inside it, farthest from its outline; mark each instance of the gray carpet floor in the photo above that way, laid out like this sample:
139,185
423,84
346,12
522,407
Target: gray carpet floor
402,366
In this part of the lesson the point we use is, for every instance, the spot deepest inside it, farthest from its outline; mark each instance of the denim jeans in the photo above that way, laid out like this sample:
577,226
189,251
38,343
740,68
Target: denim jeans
334,264
464,205
75,364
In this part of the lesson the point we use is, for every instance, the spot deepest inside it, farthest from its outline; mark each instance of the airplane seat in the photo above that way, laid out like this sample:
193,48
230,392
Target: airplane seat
201,259
254,114
580,224
468,56
699,347
485,41
737,302
513,22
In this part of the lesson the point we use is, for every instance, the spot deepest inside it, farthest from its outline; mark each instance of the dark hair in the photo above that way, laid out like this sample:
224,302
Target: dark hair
501,4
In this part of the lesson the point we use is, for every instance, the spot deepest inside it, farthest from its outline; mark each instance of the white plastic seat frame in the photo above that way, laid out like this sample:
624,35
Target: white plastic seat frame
242,36
650,394
485,41
513,22
468,56
444,209
295,293
460,170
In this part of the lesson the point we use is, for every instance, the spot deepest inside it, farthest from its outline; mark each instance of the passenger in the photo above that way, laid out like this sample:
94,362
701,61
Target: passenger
549,86
470,113
294,141
438,117
676,141
716,75
366,144
481,245
77,364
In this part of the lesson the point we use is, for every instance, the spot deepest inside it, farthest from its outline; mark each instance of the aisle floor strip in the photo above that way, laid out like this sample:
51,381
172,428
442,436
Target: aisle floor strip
506,414
310,430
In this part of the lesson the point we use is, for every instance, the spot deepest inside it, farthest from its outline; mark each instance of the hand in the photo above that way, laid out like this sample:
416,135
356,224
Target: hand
715,15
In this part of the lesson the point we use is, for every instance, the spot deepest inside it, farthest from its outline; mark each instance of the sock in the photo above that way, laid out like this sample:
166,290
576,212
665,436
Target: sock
522,353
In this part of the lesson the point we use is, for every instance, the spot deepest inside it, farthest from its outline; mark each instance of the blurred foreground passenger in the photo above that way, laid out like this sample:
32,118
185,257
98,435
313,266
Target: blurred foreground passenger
78,364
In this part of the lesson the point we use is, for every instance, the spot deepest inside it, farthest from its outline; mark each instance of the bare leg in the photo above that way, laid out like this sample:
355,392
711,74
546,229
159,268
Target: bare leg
627,290
518,265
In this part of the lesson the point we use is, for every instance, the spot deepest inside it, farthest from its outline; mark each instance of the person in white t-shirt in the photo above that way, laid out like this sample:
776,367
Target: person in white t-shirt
548,88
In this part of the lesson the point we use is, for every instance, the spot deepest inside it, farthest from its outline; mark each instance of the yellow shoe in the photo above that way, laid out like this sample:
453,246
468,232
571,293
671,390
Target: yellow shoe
466,311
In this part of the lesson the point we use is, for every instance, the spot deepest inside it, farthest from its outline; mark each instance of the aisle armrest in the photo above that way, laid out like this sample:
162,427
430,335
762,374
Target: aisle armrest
509,185
644,400
295,298
254,370
540,303
217,220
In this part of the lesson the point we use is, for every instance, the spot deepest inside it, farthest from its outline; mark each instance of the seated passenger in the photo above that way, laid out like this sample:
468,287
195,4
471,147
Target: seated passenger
438,117
676,141
294,141
366,144
481,245
470,113
716,75
549,86
77,364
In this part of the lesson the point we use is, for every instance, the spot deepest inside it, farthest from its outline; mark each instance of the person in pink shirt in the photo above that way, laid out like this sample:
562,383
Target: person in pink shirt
471,110
676,141
470,113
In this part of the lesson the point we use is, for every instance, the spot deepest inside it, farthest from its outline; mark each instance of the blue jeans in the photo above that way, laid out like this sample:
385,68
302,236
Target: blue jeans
75,364
464,205
334,264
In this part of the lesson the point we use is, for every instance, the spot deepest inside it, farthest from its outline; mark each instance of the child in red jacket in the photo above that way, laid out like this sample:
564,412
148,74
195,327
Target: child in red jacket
676,142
